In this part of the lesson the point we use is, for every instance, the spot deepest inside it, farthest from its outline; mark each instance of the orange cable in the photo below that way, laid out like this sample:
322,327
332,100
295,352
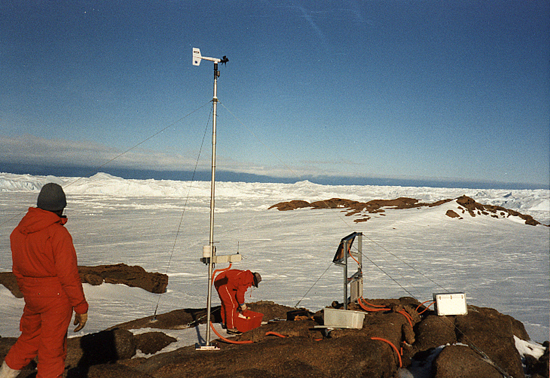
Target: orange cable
227,340
220,270
370,304
393,346
426,309
407,316
349,252
368,309
275,334
429,300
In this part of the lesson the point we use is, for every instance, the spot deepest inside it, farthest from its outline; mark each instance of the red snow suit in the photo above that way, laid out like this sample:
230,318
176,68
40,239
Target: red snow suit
45,265
231,286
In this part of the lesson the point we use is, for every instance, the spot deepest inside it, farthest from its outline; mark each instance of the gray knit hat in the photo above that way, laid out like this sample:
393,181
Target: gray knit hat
51,197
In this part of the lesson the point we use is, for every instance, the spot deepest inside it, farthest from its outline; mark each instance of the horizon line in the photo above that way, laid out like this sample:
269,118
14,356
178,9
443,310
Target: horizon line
230,176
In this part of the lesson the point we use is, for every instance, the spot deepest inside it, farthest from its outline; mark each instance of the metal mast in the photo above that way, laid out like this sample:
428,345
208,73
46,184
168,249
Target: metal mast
212,248
209,251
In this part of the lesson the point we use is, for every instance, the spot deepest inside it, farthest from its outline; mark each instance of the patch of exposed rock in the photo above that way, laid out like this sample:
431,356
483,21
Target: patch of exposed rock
479,344
474,208
133,276
359,209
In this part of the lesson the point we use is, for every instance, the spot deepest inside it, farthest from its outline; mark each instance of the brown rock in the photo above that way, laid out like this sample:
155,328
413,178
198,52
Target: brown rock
452,214
133,276
305,351
434,331
152,342
291,205
538,368
92,279
458,361
377,206
351,356
107,371
100,348
492,333
10,282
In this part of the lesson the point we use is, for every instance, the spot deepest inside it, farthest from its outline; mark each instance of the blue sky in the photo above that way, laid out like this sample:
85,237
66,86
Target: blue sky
435,90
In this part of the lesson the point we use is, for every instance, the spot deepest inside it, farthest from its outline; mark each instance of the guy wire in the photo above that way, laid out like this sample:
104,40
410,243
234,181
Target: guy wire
184,208
95,170
315,283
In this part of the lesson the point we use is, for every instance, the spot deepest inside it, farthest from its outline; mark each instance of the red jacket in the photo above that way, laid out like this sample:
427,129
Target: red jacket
44,257
237,281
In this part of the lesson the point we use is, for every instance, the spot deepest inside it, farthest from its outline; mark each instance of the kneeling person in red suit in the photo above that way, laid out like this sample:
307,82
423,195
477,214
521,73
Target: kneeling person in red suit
231,286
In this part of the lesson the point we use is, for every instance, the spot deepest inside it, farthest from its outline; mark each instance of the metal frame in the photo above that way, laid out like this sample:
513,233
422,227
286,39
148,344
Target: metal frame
341,258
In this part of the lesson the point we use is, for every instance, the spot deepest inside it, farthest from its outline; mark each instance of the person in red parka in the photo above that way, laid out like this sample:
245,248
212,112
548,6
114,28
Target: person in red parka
45,265
231,286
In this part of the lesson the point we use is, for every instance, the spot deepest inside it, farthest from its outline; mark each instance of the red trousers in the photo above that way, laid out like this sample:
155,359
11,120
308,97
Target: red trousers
229,306
43,333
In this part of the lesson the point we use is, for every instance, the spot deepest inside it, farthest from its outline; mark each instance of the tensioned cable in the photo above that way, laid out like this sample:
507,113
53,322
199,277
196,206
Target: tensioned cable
387,274
404,262
184,208
145,140
315,283
95,170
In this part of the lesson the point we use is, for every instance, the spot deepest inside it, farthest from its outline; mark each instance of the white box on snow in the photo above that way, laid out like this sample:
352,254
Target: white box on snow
343,318
450,304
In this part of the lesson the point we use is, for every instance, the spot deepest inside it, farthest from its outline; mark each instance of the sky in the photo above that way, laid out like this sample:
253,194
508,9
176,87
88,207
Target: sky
414,90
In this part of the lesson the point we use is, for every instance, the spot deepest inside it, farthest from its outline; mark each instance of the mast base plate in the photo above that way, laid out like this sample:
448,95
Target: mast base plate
206,347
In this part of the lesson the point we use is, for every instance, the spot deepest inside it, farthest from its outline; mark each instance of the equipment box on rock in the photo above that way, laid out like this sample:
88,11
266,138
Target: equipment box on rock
450,304
343,318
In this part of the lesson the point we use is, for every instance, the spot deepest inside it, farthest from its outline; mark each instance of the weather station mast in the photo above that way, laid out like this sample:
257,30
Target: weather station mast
209,256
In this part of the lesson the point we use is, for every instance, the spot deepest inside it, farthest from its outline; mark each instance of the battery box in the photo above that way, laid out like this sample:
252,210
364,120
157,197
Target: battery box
450,304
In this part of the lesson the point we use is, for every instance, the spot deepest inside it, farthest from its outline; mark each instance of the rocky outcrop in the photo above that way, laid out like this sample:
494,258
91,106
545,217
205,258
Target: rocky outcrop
474,208
10,282
133,276
393,338
360,209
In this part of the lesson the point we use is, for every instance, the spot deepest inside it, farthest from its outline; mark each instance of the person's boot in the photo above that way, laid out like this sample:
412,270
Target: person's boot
7,372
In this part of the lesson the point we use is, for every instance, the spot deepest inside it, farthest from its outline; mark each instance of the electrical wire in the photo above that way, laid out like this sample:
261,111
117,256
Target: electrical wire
393,346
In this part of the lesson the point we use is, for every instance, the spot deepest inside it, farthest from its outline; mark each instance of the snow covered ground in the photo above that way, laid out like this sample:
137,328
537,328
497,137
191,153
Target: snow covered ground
162,226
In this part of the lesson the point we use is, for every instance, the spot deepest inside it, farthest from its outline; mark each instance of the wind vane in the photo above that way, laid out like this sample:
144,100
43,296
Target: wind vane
197,57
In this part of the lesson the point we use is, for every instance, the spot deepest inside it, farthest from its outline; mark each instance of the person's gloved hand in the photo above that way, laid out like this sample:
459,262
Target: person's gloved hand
80,321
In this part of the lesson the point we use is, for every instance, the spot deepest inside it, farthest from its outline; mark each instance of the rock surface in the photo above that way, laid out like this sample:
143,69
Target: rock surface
479,344
133,276
361,209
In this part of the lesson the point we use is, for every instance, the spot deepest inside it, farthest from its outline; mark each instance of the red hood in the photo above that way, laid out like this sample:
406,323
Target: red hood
37,219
